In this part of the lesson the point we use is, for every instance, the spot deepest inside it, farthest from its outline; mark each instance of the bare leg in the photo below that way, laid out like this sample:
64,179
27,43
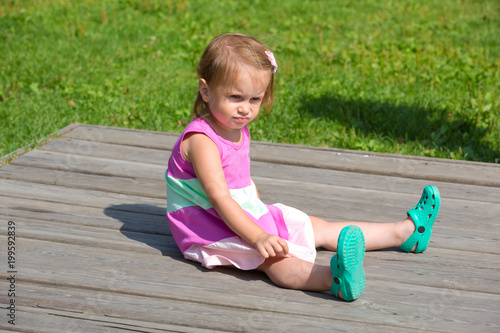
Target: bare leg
377,235
346,272
295,273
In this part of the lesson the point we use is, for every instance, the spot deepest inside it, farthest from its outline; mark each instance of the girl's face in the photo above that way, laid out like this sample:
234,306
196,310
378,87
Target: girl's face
237,105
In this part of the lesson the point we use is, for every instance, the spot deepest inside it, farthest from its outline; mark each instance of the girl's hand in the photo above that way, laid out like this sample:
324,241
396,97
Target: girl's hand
271,245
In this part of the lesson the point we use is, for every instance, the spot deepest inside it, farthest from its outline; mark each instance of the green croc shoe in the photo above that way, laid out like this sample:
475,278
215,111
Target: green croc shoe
347,264
423,214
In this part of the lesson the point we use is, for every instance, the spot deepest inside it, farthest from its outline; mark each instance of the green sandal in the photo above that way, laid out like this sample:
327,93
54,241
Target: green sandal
347,264
423,214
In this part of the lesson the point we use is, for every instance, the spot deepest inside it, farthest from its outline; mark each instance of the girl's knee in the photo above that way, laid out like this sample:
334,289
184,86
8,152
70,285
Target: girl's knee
290,273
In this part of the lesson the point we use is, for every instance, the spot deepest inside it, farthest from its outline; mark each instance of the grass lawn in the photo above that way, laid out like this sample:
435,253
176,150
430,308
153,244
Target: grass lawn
408,77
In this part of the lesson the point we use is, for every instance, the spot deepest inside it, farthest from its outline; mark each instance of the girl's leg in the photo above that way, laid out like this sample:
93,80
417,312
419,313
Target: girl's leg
383,235
294,273
377,235
345,277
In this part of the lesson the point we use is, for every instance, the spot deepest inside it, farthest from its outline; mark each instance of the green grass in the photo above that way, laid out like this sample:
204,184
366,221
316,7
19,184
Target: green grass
409,77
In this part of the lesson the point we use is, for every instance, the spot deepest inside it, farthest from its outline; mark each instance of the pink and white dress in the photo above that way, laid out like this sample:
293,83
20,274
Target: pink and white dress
199,231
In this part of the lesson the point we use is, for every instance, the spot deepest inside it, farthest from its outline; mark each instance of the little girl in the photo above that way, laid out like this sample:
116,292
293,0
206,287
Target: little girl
214,210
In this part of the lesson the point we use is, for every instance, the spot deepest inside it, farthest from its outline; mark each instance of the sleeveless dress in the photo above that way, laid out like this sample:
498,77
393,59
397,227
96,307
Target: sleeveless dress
199,231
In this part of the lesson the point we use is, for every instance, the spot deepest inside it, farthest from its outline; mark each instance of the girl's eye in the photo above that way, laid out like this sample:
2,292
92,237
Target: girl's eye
234,96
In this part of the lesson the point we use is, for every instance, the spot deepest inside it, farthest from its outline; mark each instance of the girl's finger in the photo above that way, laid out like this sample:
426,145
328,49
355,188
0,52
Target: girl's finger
284,245
271,251
263,252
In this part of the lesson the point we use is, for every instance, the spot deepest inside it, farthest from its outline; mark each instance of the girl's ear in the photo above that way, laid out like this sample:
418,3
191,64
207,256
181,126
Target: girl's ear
204,92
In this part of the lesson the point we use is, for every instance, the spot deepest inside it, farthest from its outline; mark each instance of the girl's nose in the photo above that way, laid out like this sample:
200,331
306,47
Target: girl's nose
244,108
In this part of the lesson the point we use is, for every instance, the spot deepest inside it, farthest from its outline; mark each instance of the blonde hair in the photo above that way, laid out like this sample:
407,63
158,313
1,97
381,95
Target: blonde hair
222,61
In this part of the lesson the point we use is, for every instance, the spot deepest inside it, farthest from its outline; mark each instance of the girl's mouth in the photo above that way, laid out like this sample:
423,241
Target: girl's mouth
241,119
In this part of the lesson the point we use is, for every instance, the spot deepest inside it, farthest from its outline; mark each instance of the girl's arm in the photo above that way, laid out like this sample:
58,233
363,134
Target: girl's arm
202,152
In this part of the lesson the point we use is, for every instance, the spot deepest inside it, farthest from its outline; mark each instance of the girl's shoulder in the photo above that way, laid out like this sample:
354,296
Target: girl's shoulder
200,125
197,125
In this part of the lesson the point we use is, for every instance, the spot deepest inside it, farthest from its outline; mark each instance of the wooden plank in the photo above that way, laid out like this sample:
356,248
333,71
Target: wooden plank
98,237
271,188
461,234
315,174
364,204
89,164
110,270
371,181
435,169
143,184
269,170
150,219
122,136
345,204
279,190
145,187
43,319
108,150
382,265
130,217
479,272
457,232
95,237
336,210
132,311
59,194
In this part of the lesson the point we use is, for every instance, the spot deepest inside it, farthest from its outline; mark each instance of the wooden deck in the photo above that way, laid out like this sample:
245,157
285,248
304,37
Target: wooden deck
94,252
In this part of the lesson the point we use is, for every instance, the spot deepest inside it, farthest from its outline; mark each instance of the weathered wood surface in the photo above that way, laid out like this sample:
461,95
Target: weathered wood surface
95,254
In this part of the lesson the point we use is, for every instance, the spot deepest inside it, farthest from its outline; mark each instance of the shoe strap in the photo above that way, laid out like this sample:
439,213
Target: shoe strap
410,243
